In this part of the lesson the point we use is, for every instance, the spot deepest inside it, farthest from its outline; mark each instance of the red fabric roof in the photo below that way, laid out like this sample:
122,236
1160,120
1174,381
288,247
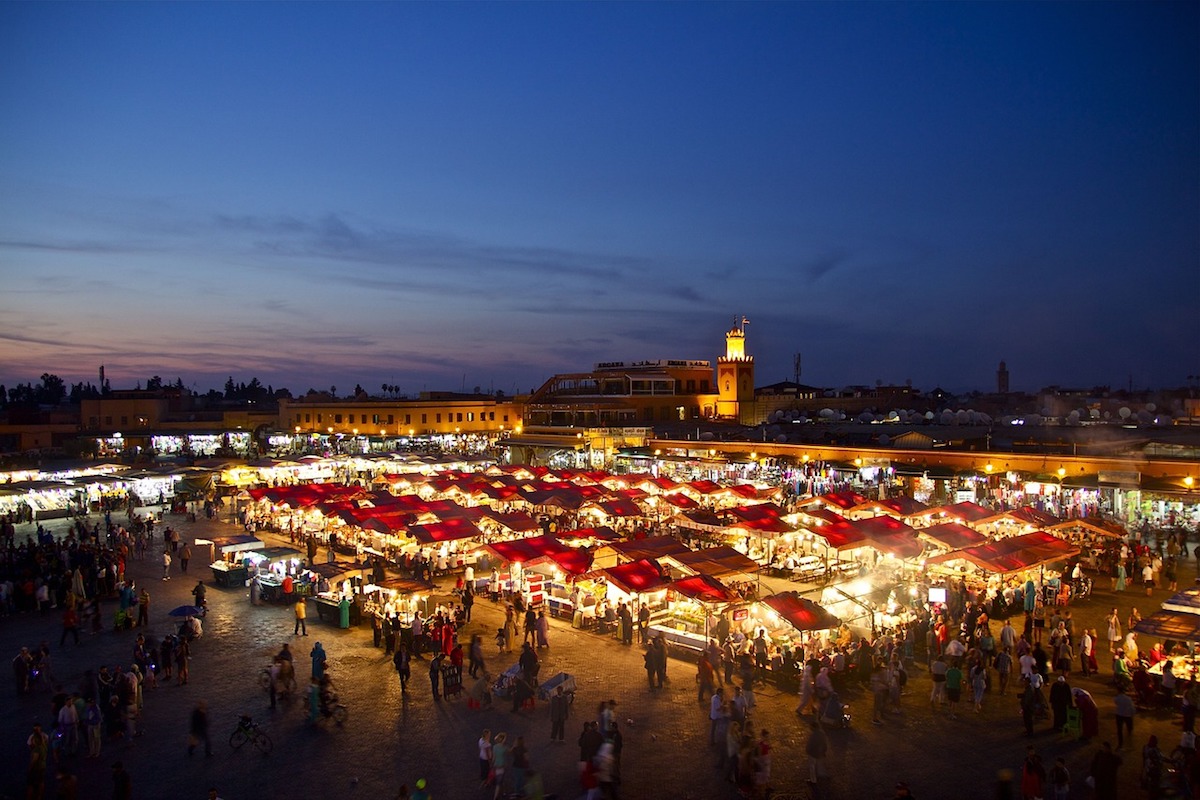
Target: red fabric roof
680,500
719,562
703,487
843,500
840,535
516,521
618,508
953,535
802,613
599,532
757,512
704,589
445,531
1013,554
636,576
653,547
968,512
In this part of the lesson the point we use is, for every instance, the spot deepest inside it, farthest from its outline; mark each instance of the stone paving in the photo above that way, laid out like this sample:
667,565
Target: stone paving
389,739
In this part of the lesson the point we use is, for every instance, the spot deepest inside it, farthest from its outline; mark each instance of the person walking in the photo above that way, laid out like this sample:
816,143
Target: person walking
403,667
560,708
185,555
817,749
198,729
166,564
1103,772
301,626
317,654
485,757
143,604
435,673
70,625
475,656
1124,712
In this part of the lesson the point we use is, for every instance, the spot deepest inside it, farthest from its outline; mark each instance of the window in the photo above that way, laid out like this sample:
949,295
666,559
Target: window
492,416
337,419
363,420
93,422
408,419
470,416
691,386
124,420
308,417
423,419
374,419
506,417
704,387
438,417
391,419
459,417
318,419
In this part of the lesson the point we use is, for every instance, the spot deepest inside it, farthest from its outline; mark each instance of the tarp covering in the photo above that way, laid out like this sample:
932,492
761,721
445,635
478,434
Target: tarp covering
616,508
406,585
233,544
802,613
446,531
1176,625
953,535
1187,601
679,500
895,506
843,500
516,521
704,589
636,577
331,569
599,532
651,548
890,535
1098,525
1013,554
719,562
970,513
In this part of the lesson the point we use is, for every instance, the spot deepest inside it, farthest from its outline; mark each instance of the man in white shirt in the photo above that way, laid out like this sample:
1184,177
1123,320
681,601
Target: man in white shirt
1028,665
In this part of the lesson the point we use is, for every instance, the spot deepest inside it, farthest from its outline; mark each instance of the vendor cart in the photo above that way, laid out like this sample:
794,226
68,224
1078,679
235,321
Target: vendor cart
451,680
503,685
567,682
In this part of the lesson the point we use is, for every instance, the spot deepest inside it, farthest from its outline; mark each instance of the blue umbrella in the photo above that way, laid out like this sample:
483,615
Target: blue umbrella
186,611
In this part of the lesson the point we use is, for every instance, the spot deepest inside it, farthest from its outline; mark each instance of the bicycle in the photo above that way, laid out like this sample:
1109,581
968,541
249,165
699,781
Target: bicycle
247,730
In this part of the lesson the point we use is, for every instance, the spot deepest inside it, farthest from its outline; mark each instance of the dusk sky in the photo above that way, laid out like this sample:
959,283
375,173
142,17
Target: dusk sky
440,195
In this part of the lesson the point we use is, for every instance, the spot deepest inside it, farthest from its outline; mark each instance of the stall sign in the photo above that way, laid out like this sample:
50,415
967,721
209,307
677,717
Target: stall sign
740,614
937,594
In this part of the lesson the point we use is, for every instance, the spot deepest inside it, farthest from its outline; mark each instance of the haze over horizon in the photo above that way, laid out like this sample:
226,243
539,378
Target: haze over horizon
441,196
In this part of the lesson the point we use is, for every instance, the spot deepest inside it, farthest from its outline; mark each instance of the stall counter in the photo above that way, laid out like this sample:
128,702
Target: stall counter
228,575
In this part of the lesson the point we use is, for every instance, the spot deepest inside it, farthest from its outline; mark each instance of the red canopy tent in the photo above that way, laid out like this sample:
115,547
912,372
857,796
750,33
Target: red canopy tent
446,531
953,535
636,577
704,589
802,613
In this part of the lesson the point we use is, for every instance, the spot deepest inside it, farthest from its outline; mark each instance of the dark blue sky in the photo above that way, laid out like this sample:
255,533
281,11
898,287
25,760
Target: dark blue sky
440,194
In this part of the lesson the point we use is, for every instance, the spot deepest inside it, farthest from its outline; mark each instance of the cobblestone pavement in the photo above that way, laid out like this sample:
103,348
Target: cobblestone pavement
389,740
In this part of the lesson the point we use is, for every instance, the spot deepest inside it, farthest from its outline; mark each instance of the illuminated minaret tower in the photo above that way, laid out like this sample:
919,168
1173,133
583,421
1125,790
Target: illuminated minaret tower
735,374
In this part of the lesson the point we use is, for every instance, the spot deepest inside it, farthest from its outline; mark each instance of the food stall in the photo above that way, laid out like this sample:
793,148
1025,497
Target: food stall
651,548
228,555
788,619
636,582
1177,623
692,602
345,581
398,599
271,565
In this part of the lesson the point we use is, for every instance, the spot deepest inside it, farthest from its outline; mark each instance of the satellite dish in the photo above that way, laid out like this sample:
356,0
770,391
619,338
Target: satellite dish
1124,412
781,439
929,415
1151,407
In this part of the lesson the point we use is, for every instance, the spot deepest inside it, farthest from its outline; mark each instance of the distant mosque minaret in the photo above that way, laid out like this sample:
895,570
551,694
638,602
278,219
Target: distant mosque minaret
1002,378
735,374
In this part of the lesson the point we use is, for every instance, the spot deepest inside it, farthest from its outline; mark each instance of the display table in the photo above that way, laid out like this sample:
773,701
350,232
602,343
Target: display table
328,610
695,642
228,575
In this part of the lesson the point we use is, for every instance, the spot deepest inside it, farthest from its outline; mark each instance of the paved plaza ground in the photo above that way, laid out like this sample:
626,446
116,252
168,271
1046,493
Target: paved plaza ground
389,740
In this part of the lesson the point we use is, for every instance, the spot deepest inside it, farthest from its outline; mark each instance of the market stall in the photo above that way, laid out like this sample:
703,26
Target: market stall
228,556
788,620
692,603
